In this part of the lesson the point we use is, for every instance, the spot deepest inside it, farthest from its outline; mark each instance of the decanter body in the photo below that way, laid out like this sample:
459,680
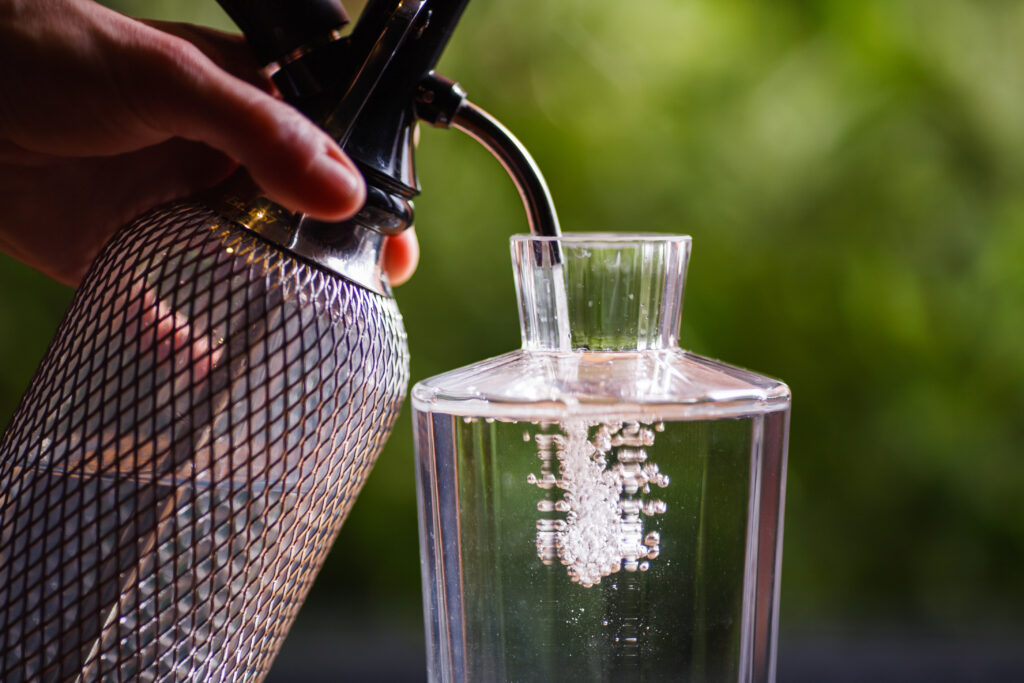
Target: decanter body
601,505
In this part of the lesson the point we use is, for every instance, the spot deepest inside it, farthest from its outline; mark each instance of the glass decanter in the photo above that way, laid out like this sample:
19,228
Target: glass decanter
601,505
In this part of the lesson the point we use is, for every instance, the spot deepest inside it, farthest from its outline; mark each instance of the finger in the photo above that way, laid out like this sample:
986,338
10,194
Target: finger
177,168
401,255
229,51
181,92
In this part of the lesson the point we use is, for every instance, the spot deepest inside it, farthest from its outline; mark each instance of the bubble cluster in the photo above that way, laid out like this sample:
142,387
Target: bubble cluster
604,479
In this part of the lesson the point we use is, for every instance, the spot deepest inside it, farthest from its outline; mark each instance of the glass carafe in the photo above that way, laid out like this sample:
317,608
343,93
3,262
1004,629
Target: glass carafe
601,505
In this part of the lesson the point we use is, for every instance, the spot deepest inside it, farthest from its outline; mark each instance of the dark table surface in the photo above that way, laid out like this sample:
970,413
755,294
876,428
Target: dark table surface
323,648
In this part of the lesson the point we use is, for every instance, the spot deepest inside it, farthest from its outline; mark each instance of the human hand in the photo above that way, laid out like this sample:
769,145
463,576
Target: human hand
103,117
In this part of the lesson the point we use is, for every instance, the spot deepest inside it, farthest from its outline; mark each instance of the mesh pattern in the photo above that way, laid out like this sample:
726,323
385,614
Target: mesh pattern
184,457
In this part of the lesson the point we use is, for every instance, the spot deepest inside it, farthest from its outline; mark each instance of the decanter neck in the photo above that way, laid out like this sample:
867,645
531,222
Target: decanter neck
600,291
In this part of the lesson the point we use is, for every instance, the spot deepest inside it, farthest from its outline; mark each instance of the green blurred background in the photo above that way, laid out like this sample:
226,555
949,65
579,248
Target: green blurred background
852,174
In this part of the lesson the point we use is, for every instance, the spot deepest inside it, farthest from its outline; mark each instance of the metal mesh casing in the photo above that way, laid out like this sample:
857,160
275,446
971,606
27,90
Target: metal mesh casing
185,455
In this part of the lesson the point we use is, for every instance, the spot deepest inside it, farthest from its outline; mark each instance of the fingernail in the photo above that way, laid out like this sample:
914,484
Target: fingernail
343,181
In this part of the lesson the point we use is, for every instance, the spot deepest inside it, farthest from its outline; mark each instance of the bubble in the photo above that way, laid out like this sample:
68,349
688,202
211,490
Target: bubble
526,437
603,477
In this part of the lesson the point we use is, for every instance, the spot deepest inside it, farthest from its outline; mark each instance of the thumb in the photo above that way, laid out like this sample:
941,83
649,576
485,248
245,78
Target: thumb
179,91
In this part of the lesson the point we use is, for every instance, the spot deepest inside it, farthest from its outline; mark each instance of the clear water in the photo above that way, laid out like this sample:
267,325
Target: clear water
563,328
600,550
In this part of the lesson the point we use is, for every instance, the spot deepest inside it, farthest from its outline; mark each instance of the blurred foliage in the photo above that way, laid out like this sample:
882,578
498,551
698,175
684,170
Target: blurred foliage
853,176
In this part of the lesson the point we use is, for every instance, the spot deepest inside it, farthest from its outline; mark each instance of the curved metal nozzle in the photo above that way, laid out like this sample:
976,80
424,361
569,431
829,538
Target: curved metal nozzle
518,163
442,103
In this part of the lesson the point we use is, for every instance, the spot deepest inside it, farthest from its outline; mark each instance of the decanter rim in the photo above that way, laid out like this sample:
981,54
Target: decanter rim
604,237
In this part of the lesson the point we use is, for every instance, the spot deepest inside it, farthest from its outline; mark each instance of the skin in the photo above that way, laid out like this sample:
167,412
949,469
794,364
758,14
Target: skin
103,117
